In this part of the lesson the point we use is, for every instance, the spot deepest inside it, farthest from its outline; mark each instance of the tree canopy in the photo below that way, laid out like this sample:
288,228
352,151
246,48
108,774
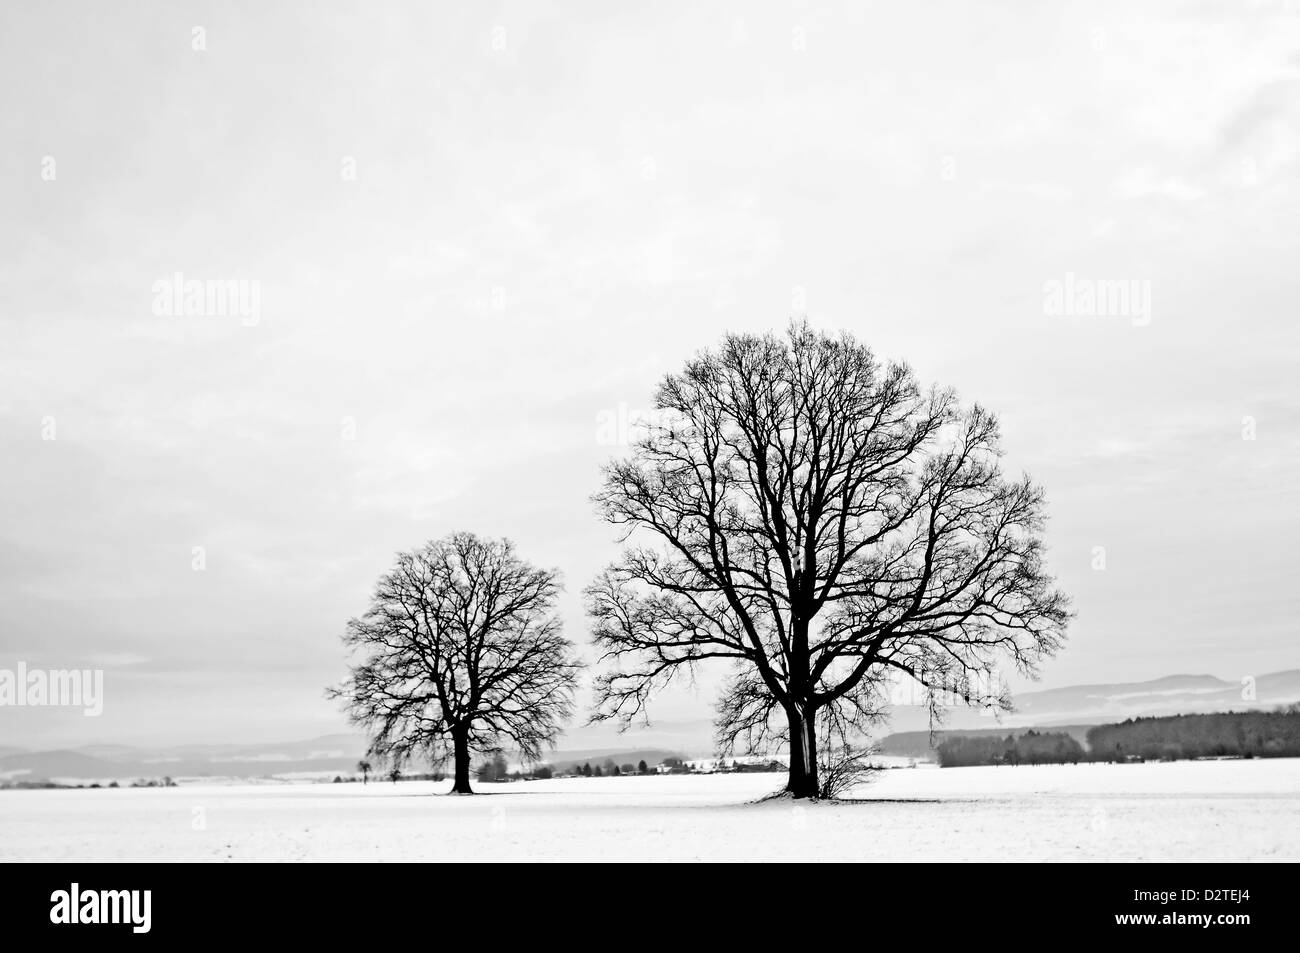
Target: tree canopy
460,649
819,520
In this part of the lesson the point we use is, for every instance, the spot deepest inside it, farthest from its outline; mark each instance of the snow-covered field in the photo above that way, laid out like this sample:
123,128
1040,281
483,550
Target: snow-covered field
1207,810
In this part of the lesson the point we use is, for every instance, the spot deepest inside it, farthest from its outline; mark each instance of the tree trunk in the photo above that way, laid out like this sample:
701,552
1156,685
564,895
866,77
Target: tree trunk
803,780
460,747
802,720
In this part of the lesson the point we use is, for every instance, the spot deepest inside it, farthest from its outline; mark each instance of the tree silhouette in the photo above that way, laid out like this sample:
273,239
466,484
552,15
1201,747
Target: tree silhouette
817,519
364,768
461,649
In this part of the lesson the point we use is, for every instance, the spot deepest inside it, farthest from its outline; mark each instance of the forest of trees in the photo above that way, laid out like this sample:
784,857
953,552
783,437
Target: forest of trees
1247,734
1242,734
1029,748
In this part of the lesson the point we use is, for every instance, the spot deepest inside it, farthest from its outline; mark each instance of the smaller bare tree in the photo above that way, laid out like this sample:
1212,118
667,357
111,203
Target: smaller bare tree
460,650
844,766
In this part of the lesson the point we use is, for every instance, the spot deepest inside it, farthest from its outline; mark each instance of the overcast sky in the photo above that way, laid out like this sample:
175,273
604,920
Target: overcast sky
476,231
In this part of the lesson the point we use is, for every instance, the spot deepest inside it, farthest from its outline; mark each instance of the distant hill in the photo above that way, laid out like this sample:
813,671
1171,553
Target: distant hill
1076,708
43,765
1073,709
331,754
1172,695
336,754
1115,701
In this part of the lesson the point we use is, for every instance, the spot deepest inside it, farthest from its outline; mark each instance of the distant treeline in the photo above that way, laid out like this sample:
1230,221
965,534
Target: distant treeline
1248,734
1243,734
45,784
1028,748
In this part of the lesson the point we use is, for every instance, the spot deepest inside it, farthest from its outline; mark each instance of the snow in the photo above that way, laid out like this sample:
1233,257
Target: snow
1182,811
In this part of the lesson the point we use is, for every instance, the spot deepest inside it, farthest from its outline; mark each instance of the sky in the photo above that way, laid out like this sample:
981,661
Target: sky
481,234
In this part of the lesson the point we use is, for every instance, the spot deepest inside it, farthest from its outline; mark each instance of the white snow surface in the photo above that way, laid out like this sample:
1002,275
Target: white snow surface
1181,811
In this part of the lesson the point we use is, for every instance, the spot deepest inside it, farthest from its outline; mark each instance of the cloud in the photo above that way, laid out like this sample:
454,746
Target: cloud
507,264
1046,191
1146,183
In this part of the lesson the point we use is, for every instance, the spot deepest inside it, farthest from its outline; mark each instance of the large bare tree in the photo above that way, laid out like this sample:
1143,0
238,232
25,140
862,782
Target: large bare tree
461,650
822,522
